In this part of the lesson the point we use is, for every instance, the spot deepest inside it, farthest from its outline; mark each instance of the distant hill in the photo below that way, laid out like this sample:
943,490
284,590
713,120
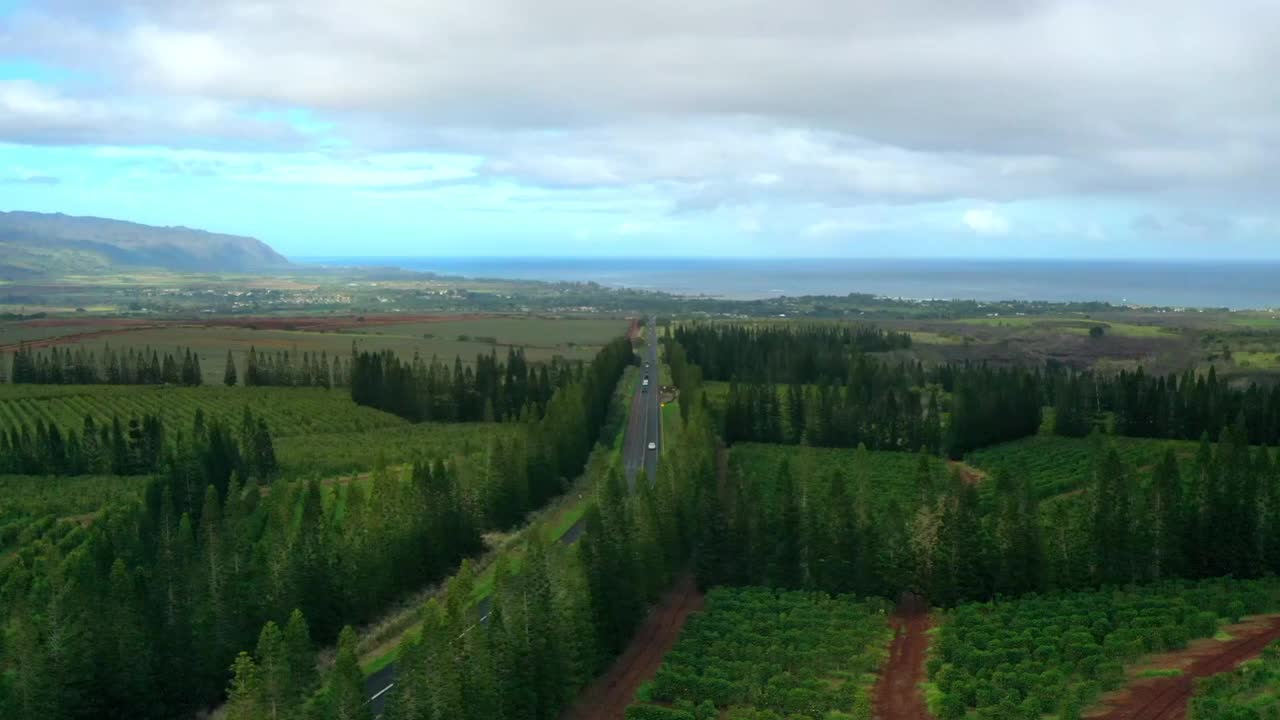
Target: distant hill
38,244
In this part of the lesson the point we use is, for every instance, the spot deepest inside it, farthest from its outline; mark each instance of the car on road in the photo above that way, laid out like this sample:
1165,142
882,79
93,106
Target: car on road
653,446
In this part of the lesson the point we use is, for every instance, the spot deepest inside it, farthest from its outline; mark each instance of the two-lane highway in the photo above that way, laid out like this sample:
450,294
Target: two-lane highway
643,439
644,426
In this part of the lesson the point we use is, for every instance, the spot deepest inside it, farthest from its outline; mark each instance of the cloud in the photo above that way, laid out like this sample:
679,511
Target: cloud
985,221
690,107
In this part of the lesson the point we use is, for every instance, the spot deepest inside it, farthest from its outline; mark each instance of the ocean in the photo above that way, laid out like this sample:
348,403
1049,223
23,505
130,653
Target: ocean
1236,285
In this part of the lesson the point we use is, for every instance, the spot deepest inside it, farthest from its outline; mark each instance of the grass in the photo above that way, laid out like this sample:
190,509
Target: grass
1256,359
1160,673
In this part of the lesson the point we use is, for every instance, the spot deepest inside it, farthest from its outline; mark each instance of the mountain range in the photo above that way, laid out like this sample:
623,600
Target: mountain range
40,244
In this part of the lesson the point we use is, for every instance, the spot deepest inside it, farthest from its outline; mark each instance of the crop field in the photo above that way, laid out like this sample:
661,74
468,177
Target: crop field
754,650
541,337
1058,465
1055,654
876,477
329,454
34,507
288,411
1250,692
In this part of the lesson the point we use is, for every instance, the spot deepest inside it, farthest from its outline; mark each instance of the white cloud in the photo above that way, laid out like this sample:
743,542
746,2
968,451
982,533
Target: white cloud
689,107
985,221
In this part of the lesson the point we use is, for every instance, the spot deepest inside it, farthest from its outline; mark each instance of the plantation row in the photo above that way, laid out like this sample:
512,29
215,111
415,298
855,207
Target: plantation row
1250,692
288,411
877,480
1054,654
765,653
328,454
1056,464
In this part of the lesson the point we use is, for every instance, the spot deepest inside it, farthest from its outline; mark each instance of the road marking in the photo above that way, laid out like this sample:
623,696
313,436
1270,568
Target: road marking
380,692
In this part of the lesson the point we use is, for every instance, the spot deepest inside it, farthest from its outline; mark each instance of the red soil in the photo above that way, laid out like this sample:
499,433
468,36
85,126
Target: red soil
608,697
1166,698
970,475
117,326
898,695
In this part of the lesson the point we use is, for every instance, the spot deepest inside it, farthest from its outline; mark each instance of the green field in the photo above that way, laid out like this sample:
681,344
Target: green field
1054,654
329,454
877,478
541,337
288,411
798,654
1060,464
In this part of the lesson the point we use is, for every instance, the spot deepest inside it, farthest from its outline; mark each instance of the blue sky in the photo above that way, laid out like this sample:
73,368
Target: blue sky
1052,128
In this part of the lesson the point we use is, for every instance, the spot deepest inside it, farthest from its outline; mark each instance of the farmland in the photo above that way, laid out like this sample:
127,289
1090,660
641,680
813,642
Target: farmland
443,336
329,454
757,650
1055,654
877,478
1056,465
288,411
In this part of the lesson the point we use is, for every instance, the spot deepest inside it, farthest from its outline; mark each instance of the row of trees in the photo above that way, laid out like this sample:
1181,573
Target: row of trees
783,352
289,369
81,366
209,556
140,446
1215,514
1175,406
489,390
551,625
885,410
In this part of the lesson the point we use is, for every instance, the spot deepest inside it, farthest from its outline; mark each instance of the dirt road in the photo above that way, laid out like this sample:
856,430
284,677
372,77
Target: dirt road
1166,698
609,696
898,694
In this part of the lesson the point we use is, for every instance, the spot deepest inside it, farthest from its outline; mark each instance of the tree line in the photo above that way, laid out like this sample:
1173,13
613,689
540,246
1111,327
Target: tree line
289,369
140,446
890,407
1215,514
489,390
1175,406
81,366
553,623
209,556
784,352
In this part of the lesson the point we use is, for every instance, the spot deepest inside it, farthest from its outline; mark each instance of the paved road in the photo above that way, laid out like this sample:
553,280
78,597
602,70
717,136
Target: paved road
644,425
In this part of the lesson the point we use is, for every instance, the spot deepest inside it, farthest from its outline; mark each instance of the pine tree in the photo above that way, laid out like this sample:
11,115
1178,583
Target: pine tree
345,695
244,695
229,372
302,656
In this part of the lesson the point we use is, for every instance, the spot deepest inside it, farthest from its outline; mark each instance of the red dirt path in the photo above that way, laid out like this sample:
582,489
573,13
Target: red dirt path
1166,698
608,697
898,693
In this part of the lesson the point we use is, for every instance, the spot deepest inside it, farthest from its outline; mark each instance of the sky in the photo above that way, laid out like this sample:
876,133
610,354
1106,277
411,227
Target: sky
826,128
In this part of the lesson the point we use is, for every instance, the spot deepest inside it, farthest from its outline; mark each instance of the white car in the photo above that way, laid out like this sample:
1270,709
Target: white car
653,446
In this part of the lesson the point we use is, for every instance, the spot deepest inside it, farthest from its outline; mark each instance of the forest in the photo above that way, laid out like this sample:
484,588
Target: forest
810,471
488,390
143,615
